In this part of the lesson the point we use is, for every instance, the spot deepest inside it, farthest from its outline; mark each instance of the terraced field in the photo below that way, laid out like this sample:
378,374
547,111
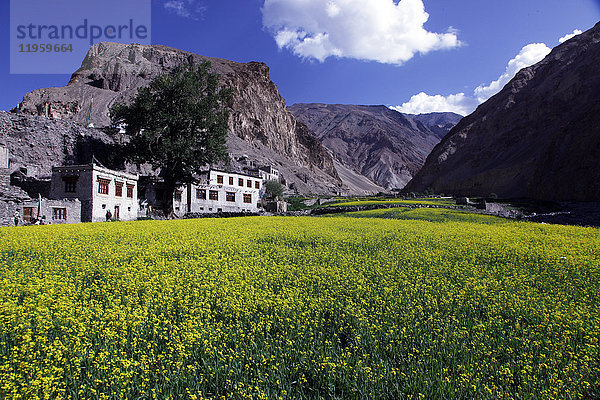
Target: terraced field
432,306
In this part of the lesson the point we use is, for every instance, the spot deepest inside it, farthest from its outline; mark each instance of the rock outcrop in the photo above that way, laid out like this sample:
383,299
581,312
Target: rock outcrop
381,144
113,72
36,144
538,138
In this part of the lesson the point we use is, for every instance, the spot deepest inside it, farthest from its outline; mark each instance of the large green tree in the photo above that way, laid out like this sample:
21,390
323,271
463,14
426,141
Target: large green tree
177,123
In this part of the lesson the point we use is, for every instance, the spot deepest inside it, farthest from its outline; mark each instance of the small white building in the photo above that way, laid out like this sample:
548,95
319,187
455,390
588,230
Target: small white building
99,189
219,191
269,173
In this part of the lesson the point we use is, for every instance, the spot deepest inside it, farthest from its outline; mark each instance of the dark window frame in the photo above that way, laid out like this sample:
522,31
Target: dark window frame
130,189
118,189
104,186
59,214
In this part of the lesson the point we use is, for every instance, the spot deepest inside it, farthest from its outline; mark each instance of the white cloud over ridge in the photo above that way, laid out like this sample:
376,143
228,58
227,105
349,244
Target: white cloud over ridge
570,35
529,55
193,9
462,104
384,31
423,103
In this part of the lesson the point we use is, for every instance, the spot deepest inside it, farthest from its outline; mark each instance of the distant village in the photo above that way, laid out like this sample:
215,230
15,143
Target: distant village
94,193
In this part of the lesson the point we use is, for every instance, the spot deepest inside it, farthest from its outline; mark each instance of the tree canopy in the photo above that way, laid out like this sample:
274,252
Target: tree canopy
177,123
273,189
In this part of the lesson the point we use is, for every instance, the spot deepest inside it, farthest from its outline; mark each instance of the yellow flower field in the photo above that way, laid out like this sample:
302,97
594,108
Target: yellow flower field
271,308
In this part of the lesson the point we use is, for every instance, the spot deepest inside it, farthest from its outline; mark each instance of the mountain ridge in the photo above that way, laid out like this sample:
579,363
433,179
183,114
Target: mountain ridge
538,138
382,144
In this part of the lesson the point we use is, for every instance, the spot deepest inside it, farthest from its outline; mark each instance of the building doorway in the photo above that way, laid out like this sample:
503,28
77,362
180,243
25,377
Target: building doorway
116,214
27,214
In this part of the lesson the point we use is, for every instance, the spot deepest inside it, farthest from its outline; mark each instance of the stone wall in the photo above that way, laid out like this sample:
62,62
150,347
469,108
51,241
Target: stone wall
7,211
70,210
10,198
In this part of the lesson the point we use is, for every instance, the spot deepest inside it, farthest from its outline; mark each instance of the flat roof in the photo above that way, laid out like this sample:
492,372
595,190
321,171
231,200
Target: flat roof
95,167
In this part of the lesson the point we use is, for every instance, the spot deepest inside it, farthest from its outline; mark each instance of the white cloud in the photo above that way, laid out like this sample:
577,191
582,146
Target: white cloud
193,9
460,103
423,103
570,35
386,31
529,55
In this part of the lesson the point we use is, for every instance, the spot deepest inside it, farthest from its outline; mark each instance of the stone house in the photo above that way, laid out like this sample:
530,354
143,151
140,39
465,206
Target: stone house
269,173
99,189
14,199
67,211
215,191
220,191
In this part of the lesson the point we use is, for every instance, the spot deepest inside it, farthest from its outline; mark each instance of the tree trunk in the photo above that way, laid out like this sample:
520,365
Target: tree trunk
168,201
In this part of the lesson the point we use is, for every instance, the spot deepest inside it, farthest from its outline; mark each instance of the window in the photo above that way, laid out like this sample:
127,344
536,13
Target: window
130,188
247,198
213,195
177,195
231,180
59,214
240,182
219,179
249,183
70,184
230,196
103,185
118,189
201,194
257,185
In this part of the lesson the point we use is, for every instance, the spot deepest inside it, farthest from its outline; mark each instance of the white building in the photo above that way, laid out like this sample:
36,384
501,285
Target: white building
219,191
99,189
269,173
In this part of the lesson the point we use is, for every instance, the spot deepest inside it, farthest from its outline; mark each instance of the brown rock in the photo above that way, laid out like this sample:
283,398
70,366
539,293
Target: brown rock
113,72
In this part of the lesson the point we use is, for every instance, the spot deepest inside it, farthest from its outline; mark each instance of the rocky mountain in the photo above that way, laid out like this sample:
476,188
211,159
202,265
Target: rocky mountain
260,125
36,144
538,138
384,145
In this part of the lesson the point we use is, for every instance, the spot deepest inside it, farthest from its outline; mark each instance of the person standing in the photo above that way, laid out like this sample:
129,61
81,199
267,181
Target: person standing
17,217
108,215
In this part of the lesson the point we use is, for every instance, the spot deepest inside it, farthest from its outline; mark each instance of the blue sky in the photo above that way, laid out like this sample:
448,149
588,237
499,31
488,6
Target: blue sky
417,55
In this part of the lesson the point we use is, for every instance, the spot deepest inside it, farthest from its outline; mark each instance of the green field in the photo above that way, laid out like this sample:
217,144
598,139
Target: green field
390,202
429,214
432,306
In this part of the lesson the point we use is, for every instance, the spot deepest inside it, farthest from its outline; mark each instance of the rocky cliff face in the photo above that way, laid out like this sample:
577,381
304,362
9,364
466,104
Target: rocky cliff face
37,143
113,72
382,144
538,138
